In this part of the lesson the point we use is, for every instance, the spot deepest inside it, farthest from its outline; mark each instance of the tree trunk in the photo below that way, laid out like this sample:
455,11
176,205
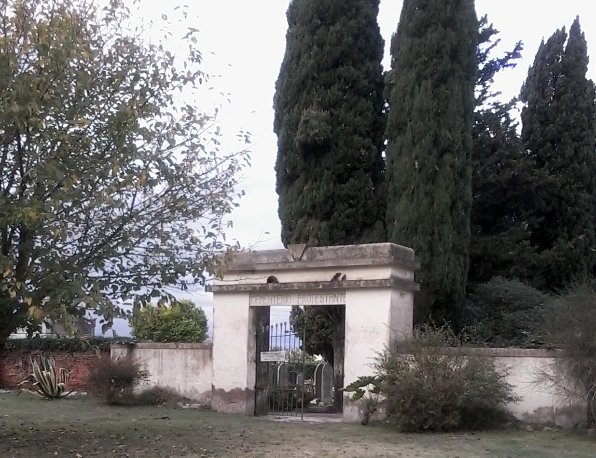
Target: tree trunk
12,316
338,360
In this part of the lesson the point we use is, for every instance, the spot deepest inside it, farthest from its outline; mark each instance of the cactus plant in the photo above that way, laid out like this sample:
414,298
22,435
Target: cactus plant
45,381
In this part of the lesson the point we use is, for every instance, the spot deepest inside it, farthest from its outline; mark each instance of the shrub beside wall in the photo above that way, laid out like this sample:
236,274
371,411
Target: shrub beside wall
427,389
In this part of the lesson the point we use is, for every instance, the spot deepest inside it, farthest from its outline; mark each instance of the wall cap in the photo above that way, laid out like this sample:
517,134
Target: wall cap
500,352
164,346
370,254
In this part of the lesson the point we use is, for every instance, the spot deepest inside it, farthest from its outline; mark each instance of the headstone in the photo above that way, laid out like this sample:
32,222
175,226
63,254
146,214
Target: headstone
318,378
292,376
327,384
300,379
272,372
282,375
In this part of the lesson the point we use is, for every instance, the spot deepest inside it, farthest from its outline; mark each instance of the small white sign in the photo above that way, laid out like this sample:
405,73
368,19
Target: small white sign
273,356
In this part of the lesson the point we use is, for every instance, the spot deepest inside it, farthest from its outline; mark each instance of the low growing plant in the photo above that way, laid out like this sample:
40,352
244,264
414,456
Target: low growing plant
430,384
45,380
114,380
367,388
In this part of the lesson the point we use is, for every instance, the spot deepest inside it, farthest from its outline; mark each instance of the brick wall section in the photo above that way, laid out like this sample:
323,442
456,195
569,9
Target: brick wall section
15,366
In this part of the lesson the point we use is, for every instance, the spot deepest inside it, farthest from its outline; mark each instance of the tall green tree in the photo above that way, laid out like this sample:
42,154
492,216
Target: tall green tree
501,179
558,132
329,122
429,133
110,188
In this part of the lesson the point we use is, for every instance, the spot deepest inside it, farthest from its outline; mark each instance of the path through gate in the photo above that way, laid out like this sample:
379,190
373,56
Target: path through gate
283,386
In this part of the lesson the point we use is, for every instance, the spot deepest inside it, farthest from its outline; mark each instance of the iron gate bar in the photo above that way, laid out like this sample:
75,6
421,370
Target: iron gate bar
283,393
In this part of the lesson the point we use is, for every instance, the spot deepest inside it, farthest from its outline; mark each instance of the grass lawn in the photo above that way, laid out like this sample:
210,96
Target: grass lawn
81,427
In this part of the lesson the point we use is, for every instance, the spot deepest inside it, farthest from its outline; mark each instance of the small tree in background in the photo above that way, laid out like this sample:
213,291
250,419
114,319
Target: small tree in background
503,313
179,322
570,325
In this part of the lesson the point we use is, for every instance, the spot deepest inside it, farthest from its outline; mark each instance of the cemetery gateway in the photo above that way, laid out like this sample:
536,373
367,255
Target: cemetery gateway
375,283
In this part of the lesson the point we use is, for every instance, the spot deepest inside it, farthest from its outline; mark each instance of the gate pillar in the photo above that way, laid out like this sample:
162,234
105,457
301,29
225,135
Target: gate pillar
234,349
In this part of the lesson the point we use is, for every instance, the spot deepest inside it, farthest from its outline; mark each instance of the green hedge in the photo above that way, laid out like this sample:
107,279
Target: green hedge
70,344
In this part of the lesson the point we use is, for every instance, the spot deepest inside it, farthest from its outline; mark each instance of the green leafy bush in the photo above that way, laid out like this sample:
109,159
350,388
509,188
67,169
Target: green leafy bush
45,380
113,380
179,322
504,313
569,324
430,385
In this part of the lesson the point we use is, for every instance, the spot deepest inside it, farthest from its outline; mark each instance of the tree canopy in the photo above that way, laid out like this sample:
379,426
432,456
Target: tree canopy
112,187
329,123
558,133
429,135
501,178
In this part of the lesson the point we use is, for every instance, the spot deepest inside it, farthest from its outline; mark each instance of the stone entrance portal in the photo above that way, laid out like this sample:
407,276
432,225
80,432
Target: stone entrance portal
375,282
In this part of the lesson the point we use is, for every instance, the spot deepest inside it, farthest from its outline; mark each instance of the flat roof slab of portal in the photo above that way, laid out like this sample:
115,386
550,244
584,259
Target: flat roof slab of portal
317,286
300,257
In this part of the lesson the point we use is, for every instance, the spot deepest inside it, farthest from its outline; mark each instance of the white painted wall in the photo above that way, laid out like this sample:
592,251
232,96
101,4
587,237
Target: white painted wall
233,364
185,368
188,369
540,403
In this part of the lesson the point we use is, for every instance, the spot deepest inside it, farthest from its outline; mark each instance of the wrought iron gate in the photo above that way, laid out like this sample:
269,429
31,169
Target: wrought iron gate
281,388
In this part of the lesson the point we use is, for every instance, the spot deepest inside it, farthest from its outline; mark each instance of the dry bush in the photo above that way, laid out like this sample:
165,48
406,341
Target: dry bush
570,326
113,380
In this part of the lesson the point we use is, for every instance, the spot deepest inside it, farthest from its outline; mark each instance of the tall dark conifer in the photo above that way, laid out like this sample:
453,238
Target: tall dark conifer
329,122
431,99
558,133
501,182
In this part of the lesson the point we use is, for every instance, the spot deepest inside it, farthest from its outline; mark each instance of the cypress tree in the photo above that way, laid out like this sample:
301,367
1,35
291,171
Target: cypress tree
558,132
329,122
431,100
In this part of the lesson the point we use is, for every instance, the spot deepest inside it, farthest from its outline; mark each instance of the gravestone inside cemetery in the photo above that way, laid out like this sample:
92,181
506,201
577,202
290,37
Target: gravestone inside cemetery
327,384
282,375
318,377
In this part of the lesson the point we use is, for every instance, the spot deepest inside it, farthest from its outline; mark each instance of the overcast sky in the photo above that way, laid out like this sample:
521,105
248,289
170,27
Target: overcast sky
248,39
243,43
